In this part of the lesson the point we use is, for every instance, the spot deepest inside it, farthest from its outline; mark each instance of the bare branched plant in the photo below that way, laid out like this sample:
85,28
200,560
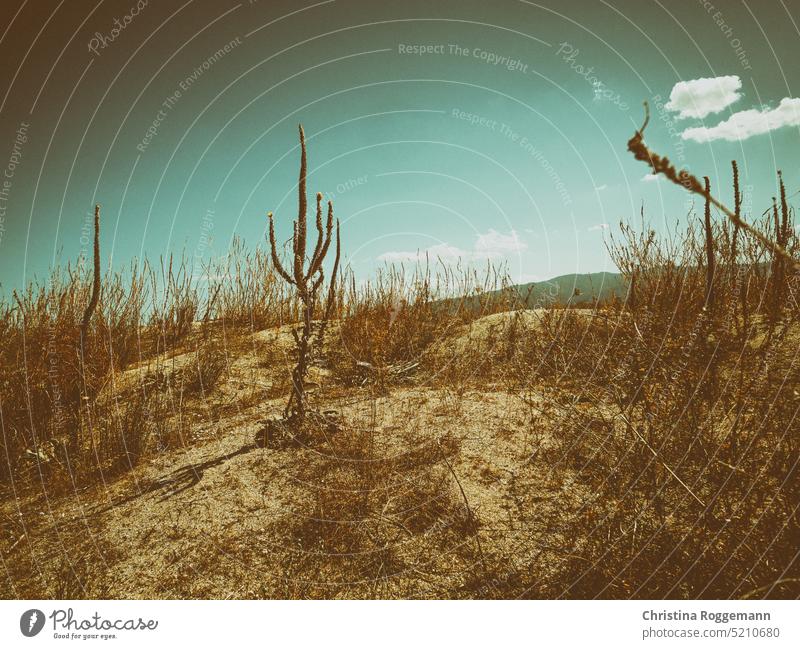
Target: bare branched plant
307,277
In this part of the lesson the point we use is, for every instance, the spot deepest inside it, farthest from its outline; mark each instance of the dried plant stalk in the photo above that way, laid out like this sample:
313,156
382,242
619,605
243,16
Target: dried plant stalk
662,165
307,283
709,246
87,314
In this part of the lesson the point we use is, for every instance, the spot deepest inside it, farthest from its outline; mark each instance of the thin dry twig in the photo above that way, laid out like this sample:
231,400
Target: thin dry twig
655,455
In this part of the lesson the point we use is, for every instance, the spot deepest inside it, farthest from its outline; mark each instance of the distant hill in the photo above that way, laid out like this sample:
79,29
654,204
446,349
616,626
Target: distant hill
577,288
574,289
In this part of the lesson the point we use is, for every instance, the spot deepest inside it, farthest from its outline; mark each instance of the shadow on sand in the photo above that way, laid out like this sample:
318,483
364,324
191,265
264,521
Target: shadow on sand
177,481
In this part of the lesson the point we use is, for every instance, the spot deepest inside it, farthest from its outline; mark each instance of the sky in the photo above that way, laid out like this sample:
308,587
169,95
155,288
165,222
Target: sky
464,130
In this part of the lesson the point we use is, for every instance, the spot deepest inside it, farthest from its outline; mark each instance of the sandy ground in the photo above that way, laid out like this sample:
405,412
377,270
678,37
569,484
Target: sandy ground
424,495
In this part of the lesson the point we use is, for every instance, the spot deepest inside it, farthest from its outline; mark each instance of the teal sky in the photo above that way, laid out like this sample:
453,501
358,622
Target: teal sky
522,162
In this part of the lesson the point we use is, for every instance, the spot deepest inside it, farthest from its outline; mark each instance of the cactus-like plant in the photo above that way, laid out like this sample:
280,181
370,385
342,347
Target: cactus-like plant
87,314
84,329
307,277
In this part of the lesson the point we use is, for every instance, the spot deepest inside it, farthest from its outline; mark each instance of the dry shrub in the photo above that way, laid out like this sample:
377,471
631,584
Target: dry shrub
387,325
676,412
207,365
42,386
47,394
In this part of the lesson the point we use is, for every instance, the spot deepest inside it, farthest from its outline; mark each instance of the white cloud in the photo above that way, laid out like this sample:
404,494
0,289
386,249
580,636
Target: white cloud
747,123
599,226
601,188
443,251
701,97
489,245
649,178
495,244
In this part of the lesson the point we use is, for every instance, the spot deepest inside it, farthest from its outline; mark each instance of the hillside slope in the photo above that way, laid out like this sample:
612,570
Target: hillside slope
575,289
411,498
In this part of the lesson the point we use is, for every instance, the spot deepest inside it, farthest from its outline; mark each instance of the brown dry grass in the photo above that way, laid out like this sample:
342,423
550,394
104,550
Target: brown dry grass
647,447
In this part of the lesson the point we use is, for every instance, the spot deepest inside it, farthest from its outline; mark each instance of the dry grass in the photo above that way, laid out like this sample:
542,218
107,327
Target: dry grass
646,447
